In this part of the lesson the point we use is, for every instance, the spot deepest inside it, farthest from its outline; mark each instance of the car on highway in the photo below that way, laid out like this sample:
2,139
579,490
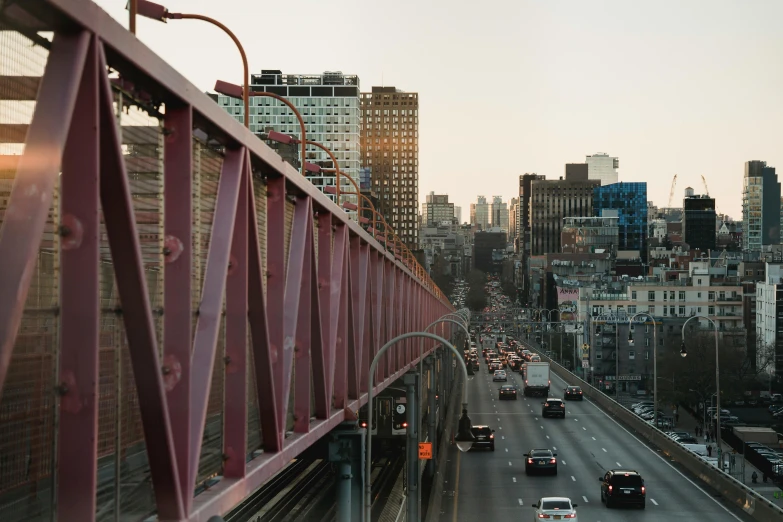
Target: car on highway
500,375
623,486
553,408
507,391
573,392
555,508
485,437
540,460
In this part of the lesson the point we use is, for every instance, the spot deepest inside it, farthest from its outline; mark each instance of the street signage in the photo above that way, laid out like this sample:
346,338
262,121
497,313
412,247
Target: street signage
425,450
585,364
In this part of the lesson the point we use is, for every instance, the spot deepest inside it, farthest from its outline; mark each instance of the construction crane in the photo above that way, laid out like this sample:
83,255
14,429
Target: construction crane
671,193
706,188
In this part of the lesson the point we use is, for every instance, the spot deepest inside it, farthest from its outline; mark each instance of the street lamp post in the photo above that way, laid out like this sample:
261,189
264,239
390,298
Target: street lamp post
684,353
655,360
464,438
158,12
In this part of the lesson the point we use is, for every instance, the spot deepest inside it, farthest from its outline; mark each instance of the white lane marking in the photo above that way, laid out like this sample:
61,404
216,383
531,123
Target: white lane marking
520,501
572,478
509,462
500,427
499,420
604,449
547,436
506,450
735,517
514,479
537,417
584,428
653,501
554,448
563,462
575,420
592,438
503,437
619,465
542,427
585,499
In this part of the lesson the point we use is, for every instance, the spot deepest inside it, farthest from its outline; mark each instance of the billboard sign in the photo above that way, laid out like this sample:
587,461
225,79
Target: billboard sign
567,299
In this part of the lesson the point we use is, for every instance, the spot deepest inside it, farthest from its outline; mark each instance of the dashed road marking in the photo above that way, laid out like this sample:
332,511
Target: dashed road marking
514,479
573,478
653,501
585,429
509,462
520,501
585,499
542,427
563,462
500,427
604,450
506,450
576,420
592,438
619,465
503,437
554,448
547,436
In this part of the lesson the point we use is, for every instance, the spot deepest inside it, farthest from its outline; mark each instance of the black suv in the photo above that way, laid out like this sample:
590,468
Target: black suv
573,392
622,486
485,437
553,407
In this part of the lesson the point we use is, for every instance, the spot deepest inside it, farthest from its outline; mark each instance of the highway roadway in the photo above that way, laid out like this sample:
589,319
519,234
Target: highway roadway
493,485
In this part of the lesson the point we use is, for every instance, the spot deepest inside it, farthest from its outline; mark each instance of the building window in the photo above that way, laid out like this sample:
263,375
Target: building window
681,296
711,310
651,296
647,341
631,309
711,296
598,355
646,355
698,295
664,311
633,295
631,355
651,309
681,311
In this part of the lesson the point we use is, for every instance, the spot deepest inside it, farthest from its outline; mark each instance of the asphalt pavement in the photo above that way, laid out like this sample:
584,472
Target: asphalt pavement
493,486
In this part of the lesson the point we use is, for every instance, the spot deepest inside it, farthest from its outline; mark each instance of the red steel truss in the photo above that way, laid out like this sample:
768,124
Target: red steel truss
310,294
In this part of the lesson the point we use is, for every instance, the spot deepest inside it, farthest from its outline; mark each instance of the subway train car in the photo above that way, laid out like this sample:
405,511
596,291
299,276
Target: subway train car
390,410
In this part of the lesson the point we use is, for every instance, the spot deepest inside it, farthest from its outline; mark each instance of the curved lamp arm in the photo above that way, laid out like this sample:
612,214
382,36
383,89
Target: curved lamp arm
371,377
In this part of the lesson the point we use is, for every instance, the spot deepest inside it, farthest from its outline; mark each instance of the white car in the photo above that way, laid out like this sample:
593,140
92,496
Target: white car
555,508
499,375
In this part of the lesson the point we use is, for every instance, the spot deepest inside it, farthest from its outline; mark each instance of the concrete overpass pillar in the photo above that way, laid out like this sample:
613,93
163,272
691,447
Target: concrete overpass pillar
346,448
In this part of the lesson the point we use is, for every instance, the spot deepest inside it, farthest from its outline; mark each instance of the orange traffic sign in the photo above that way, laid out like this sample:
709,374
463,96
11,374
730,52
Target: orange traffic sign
425,450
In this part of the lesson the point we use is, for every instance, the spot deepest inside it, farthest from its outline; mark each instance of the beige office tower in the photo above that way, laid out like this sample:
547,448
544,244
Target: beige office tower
390,149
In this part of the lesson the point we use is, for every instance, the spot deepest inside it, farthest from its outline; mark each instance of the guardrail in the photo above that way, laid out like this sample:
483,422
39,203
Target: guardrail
730,488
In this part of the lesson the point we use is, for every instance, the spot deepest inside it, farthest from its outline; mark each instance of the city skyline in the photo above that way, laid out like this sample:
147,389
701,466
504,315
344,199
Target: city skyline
689,99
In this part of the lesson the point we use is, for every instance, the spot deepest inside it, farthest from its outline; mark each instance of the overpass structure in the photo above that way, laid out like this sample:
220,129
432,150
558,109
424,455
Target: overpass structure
181,312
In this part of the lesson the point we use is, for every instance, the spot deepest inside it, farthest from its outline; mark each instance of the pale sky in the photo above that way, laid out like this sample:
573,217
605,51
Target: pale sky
512,86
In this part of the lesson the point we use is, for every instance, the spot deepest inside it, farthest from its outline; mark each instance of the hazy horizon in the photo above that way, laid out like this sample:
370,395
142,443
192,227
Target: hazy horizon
526,86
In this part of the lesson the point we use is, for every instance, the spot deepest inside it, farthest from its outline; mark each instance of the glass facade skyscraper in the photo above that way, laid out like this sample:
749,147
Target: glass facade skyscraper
630,202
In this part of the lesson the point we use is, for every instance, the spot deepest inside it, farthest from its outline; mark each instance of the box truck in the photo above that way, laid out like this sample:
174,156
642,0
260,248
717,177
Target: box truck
537,379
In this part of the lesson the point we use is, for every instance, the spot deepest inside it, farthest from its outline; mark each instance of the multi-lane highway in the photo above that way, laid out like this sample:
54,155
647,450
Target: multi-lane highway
493,485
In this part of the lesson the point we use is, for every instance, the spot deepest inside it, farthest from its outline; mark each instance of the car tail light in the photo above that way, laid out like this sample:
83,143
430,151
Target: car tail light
610,488
552,461
643,490
562,405
364,424
543,515
404,424
580,393
529,461
572,515
546,404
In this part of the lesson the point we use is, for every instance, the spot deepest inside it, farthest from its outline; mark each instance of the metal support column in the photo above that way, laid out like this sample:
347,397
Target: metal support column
412,447
346,448
432,416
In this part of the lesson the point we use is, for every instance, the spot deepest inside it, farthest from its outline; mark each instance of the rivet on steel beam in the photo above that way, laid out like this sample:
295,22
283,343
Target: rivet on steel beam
296,417
334,227
165,370
267,273
166,251
227,359
166,131
118,311
224,456
159,312
61,389
296,348
64,231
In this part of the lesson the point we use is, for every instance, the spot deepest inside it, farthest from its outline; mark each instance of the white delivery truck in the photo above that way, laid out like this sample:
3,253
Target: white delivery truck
537,379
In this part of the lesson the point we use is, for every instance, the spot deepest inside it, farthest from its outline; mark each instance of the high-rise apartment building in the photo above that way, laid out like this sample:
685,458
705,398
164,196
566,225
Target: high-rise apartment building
480,213
525,188
760,206
458,213
499,213
602,167
390,148
329,105
436,210
513,219
550,202
698,222
630,202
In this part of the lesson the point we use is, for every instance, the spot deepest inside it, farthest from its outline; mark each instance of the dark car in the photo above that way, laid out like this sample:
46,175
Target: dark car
622,486
507,391
573,392
539,460
553,408
485,437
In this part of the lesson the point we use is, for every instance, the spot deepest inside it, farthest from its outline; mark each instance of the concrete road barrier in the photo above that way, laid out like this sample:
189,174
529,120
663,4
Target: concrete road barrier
730,488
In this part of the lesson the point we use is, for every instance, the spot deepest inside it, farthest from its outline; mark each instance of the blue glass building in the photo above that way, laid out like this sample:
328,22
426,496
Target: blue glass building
630,202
